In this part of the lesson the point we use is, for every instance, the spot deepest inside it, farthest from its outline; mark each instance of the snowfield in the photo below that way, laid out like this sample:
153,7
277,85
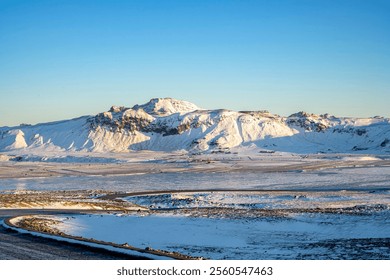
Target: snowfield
248,225
302,236
339,179
252,200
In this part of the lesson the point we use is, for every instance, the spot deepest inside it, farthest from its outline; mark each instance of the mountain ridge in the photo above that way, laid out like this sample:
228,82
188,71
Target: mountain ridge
167,124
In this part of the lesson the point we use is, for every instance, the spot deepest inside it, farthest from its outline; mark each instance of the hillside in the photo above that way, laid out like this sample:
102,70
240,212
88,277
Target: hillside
167,124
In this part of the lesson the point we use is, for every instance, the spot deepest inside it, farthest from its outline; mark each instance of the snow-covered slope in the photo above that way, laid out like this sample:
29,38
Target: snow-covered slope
168,124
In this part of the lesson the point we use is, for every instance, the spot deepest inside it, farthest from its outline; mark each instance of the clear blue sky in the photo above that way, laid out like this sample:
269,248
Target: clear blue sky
63,59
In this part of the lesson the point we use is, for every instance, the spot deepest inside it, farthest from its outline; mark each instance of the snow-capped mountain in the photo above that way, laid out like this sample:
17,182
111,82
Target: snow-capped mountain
168,124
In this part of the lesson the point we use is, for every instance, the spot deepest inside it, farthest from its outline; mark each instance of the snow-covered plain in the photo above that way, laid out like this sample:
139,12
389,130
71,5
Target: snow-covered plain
252,200
350,178
309,182
291,224
362,232
301,236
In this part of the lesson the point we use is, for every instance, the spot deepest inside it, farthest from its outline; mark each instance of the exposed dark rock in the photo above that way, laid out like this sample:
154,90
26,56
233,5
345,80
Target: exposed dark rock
353,130
356,148
131,123
309,122
385,142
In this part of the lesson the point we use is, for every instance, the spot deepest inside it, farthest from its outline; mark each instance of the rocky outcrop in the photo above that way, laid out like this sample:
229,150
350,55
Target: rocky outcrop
309,122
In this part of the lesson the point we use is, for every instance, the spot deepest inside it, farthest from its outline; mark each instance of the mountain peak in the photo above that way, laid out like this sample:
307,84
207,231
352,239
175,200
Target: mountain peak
166,106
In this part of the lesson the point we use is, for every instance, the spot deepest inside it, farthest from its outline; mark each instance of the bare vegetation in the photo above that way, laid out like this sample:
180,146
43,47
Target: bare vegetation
64,200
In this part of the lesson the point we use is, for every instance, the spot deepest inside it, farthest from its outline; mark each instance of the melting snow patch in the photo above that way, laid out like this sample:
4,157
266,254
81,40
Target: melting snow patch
363,158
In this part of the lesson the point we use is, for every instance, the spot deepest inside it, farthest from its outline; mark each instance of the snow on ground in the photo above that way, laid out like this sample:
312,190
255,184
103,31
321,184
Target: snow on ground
303,236
365,178
362,158
262,200
63,159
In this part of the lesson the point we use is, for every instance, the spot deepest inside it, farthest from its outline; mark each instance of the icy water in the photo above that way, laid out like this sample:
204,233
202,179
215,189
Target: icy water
302,236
